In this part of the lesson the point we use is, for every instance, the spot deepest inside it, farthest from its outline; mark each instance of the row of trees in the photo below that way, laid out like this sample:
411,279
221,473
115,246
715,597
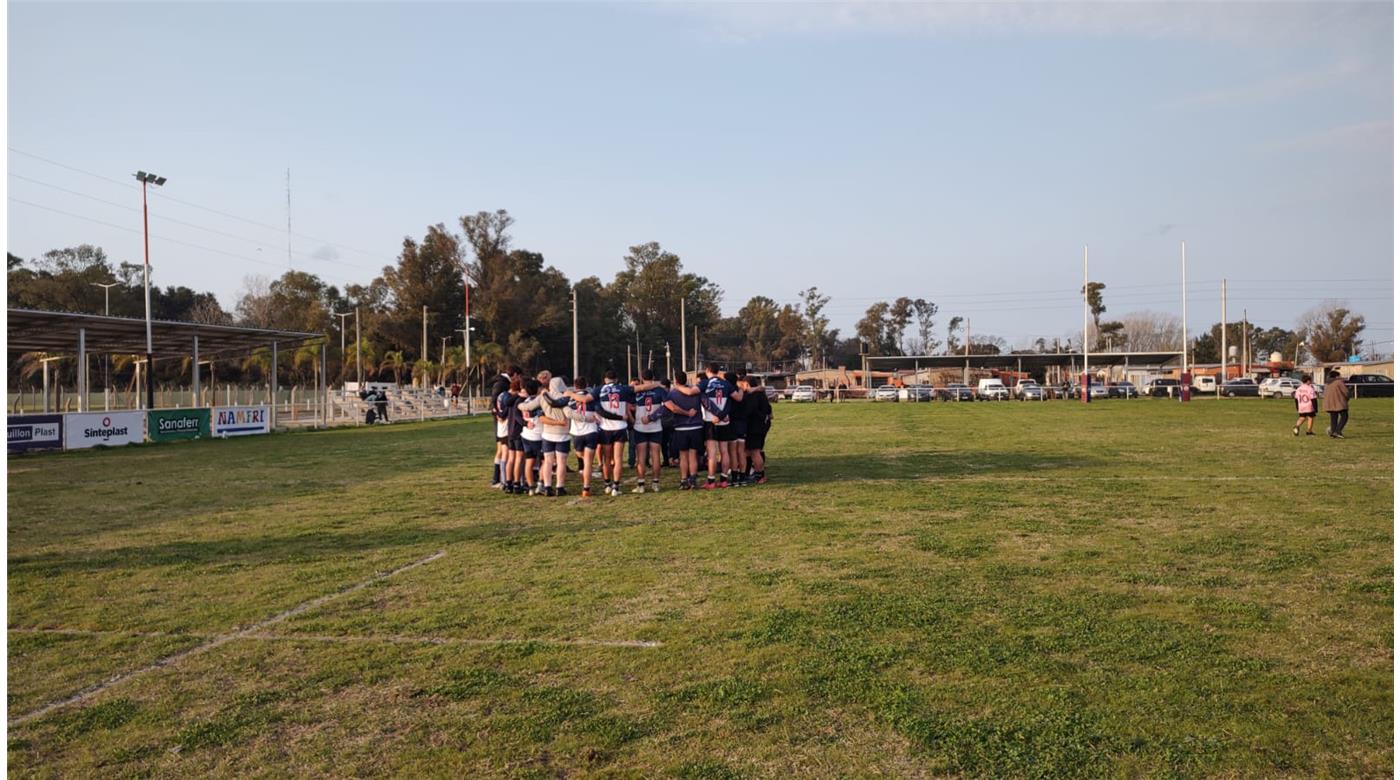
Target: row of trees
521,313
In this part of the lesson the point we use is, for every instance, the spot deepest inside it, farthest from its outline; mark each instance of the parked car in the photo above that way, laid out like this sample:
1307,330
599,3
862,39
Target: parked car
1239,387
1203,383
1098,390
773,393
1371,386
992,390
886,393
1163,387
1123,390
958,392
1278,387
919,393
804,393
1029,390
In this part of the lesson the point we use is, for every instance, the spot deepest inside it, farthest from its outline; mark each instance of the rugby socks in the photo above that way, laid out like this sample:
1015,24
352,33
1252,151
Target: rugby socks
496,473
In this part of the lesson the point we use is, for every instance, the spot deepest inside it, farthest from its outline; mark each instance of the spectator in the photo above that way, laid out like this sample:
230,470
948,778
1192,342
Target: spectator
1335,402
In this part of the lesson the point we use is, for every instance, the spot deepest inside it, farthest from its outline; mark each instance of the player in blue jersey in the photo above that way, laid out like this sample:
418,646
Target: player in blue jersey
715,398
648,404
614,411
687,437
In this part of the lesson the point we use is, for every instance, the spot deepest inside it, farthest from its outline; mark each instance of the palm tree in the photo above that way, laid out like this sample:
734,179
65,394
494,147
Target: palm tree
452,365
486,356
423,370
309,355
258,361
394,361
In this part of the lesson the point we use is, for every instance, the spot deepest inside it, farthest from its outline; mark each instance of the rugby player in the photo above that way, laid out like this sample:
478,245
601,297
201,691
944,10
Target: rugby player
716,395
759,413
583,426
556,437
687,436
531,433
646,427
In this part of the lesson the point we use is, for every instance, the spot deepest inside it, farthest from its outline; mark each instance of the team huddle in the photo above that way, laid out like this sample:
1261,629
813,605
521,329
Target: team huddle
719,425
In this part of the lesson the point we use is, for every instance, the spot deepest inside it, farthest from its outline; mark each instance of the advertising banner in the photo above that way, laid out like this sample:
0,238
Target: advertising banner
240,420
35,432
109,429
176,424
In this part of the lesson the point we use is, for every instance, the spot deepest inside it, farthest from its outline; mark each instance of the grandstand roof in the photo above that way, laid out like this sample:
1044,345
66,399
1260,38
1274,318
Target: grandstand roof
54,331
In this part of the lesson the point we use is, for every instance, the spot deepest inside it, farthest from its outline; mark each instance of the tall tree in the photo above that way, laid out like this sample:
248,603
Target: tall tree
924,313
821,337
1332,332
873,328
427,274
1096,305
650,288
954,325
759,318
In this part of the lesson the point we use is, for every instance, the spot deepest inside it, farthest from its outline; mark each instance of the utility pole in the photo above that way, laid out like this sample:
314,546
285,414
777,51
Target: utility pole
467,333
697,349
1185,357
342,316
1224,339
668,360
424,354
574,296
106,312
683,361
1244,345
1085,382
359,372
629,363
967,352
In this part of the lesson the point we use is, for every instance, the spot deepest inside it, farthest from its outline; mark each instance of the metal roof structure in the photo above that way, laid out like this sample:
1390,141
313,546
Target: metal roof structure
1025,360
55,331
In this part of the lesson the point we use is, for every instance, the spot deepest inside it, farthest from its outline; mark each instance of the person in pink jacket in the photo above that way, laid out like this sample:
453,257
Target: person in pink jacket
1306,399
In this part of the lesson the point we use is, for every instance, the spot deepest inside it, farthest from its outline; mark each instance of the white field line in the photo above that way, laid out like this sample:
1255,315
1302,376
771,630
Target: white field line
1115,478
393,639
215,641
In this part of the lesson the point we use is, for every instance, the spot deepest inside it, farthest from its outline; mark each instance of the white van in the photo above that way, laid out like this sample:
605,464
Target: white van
992,390
1203,383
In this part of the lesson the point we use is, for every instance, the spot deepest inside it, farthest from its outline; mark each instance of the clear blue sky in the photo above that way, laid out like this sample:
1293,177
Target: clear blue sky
960,152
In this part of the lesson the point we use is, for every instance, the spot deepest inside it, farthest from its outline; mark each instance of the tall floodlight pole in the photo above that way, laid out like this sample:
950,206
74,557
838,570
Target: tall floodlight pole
683,363
573,295
467,331
424,354
148,179
1086,324
342,316
359,345
668,360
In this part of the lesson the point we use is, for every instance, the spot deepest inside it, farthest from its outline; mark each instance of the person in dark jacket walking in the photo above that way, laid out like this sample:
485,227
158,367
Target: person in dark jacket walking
1335,403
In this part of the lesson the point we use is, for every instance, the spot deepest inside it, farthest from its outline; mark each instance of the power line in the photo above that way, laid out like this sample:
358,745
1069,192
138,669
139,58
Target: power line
192,204
172,220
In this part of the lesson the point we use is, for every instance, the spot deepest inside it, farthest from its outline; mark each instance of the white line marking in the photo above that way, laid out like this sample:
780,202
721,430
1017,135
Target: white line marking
395,639
213,642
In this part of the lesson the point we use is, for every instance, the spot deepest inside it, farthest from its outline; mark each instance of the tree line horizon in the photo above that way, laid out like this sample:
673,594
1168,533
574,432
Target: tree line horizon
521,314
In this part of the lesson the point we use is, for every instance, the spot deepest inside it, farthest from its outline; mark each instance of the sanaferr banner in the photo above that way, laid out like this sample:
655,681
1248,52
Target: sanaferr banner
240,420
177,424
35,432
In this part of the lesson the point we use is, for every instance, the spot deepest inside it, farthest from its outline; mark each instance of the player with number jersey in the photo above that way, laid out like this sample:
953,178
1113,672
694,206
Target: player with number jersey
648,406
556,437
614,412
716,395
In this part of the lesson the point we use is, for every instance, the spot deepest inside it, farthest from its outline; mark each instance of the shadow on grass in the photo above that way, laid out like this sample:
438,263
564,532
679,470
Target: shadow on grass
915,465
247,552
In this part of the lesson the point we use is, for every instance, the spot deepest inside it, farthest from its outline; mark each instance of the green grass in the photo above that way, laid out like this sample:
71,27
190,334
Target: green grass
1134,589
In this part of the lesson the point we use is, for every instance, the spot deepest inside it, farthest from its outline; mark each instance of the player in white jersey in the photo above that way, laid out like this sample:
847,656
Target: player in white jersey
648,406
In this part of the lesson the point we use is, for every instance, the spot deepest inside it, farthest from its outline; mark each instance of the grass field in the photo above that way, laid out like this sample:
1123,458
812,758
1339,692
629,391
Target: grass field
1135,588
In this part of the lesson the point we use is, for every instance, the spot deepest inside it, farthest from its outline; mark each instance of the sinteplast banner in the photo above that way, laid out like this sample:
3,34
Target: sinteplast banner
176,424
103,429
240,420
35,432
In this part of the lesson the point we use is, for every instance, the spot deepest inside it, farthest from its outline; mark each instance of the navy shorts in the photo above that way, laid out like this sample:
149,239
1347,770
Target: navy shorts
533,448
501,439
740,428
586,441
643,437
723,433
561,447
756,438
515,444
606,437
685,439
